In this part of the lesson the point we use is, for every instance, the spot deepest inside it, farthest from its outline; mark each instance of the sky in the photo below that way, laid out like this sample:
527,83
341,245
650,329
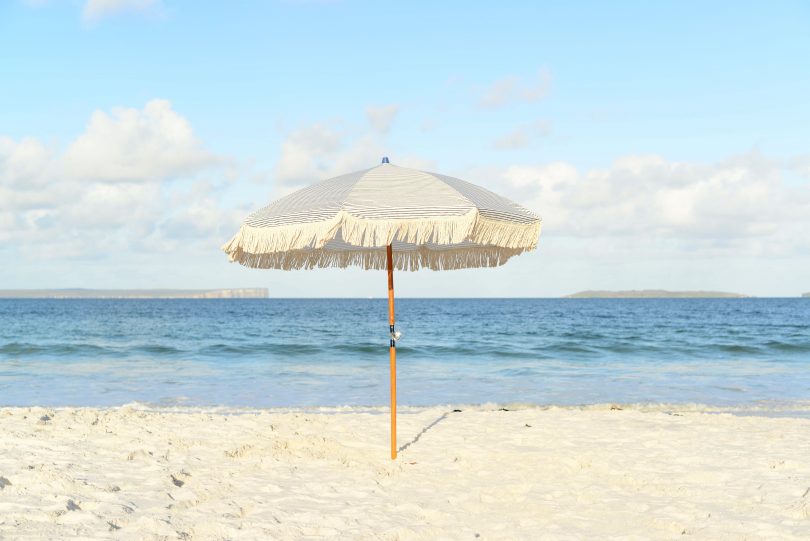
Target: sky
664,144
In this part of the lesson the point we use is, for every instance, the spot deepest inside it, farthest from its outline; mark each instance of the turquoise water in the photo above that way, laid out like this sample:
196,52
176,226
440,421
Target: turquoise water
270,352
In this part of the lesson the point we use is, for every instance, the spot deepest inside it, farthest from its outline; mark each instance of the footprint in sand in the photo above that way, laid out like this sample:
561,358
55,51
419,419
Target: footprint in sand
177,478
139,453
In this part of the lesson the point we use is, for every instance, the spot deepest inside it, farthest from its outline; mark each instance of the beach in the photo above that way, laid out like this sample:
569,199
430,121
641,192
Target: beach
485,472
329,270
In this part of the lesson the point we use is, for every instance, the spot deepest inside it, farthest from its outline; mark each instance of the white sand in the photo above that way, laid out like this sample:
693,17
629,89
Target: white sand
126,473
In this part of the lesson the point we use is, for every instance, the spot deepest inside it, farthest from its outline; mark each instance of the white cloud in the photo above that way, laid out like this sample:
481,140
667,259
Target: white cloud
512,89
95,10
382,117
743,204
134,144
306,152
22,163
132,206
113,189
523,135
328,149
801,164
204,218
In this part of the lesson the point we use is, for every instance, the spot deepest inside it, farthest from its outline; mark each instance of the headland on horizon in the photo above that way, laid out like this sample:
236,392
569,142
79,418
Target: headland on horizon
239,293
654,294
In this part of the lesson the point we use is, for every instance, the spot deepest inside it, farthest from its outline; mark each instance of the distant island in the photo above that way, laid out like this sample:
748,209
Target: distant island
654,294
805,294
243,293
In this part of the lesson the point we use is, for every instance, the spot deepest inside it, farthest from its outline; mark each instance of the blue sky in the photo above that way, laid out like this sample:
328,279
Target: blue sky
665,144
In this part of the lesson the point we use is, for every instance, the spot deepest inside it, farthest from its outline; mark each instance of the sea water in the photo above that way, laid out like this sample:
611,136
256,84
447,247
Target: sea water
331,352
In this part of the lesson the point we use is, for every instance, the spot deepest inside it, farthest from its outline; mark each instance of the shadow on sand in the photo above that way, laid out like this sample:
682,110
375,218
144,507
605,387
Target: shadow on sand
428,427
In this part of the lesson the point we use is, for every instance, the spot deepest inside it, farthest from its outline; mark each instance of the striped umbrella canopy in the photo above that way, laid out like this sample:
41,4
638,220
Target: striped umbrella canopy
386,217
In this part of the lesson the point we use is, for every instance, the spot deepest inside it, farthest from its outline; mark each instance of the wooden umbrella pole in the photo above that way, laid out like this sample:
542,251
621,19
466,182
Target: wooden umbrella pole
393,351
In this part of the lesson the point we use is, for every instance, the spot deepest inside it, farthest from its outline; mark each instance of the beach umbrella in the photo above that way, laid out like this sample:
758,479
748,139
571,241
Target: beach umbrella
386,217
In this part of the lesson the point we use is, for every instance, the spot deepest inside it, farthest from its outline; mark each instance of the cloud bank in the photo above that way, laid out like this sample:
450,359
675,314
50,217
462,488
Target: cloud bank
134,180
743,205
140,181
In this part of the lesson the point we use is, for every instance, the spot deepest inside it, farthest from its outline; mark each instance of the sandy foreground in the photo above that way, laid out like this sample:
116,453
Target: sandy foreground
558,473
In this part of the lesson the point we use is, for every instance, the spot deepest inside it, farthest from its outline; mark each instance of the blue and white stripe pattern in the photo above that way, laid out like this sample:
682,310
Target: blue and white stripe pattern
432,221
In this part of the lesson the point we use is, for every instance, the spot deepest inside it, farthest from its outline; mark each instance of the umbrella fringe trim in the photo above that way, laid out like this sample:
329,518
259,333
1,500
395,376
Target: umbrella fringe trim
366,233
375,259
505,234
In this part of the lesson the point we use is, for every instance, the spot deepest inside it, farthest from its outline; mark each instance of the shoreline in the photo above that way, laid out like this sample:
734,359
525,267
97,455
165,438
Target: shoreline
764,408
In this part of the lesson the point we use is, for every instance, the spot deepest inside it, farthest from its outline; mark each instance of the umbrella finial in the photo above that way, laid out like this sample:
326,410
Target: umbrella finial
385,159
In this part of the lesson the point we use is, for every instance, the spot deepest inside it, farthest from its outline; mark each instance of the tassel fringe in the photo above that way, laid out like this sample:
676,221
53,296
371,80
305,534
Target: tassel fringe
471,241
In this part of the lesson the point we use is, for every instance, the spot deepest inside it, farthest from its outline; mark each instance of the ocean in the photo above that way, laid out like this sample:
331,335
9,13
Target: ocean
334,352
